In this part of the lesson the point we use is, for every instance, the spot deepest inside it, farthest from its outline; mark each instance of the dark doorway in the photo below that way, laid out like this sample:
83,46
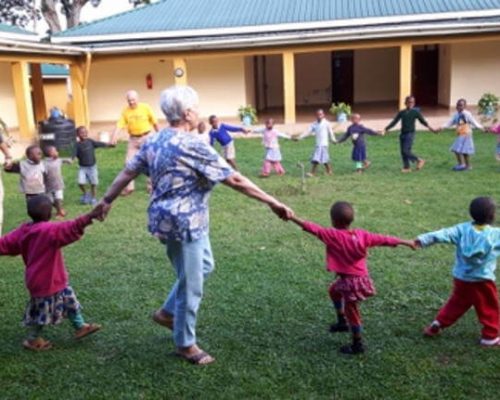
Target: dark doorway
425,74
343,76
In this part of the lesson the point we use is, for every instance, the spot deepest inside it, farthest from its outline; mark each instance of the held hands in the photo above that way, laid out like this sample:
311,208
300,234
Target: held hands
282,211
412,244
100,211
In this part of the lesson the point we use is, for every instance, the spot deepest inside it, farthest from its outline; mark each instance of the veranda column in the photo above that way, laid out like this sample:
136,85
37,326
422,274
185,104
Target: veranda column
76,73
405,72
38,94
180,71
289,86
24,105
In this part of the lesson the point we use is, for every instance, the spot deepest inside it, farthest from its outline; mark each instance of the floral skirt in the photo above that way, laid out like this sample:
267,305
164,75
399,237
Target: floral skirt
354,288
51,310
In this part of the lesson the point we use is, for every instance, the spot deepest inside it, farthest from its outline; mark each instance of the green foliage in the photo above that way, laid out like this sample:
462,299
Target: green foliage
266,311
488,106
340,108
248,111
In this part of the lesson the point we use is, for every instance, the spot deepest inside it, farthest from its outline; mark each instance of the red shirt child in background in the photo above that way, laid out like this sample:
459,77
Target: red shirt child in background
39,243
346,253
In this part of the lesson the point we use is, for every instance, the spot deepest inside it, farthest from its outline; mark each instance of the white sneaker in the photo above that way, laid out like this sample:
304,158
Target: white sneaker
490,342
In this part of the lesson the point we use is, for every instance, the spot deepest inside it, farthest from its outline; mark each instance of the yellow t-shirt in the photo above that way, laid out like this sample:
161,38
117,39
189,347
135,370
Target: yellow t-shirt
137,120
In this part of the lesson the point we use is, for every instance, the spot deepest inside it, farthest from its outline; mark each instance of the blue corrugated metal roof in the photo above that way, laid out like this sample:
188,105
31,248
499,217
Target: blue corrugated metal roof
180,15
15,29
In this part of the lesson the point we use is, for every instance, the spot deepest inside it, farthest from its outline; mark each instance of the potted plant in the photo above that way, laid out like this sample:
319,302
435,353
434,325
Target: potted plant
488,106
248,115
342,111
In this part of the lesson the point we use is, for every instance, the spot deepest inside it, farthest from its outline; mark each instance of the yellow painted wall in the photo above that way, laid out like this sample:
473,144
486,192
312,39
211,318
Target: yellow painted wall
376,75
313,76
110,80
475,70
56,94
7,99
220,83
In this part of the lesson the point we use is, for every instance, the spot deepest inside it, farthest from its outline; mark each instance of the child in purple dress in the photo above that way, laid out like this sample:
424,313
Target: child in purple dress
357,133
463,147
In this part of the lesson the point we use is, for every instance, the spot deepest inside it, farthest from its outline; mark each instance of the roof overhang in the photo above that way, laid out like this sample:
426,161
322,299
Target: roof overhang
301,37
66,37
25,37
11,45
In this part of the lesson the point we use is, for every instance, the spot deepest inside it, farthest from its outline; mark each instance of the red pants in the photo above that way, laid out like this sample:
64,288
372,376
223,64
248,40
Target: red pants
351,308
483,296
266,167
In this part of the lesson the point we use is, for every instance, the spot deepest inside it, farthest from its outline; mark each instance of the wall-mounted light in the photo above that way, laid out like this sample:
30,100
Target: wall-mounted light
179,72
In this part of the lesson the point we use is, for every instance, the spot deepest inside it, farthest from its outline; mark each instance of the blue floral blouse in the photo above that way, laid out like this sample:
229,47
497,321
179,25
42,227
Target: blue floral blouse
183,170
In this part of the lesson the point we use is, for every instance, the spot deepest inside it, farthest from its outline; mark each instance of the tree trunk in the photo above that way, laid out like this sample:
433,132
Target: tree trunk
49,13
73,13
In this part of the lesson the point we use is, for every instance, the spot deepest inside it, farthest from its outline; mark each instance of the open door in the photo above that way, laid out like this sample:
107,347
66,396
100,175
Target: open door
343,76
426,75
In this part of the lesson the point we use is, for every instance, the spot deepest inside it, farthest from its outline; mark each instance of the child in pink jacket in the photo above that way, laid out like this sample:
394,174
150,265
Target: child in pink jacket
39,243
346,254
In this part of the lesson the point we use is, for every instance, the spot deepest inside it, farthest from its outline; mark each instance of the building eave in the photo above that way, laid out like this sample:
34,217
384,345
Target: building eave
259,29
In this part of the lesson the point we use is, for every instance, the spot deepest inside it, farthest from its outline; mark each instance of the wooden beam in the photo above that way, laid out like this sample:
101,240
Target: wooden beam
289,86
180,67
24,105
19,57
405,72
38,93
78,102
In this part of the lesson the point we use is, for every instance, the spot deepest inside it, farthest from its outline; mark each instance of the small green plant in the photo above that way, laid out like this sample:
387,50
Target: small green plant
248,112
488,106
341,109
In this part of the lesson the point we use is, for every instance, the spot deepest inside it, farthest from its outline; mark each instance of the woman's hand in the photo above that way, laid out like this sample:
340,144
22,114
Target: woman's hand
282,211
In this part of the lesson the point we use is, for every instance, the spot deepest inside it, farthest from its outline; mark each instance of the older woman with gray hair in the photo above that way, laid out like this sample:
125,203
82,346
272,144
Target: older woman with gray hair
184,170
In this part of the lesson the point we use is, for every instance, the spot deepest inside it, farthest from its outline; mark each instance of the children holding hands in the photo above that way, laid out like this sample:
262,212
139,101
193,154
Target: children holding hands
272,158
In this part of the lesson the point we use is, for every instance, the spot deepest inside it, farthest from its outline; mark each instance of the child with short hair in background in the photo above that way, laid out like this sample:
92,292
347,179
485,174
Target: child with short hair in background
357,133
32,172
88,172
322,130
202,132
220,133
54,183
346,254
272,158
39,243
477,249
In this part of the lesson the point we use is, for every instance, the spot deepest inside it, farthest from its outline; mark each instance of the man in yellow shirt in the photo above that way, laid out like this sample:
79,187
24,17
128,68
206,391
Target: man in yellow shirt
139,120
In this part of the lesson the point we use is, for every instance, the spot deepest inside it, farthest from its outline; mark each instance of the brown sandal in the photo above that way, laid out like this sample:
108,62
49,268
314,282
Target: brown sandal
86,330
164,319
38,344
202,358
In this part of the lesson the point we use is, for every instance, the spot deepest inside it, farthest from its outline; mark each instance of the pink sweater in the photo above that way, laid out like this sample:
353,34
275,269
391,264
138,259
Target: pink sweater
40,246
347,250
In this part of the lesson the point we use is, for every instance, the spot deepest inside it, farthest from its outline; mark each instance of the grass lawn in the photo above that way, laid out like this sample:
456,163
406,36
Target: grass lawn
266,311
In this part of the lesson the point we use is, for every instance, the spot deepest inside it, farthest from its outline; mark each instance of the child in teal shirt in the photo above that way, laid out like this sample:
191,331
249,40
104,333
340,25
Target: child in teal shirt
477,249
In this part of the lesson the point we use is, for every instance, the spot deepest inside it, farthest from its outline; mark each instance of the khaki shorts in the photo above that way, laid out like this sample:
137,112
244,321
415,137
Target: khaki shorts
229,151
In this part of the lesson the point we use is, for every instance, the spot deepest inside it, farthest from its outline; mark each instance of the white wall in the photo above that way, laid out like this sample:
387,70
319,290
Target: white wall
475,70
376,75
8,111
110,80
220,82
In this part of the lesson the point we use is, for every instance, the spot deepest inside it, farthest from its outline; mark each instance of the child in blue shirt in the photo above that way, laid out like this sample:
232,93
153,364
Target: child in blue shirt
477,249
220,133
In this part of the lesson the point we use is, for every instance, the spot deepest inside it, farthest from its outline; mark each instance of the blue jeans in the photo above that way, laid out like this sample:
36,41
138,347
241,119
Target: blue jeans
193,262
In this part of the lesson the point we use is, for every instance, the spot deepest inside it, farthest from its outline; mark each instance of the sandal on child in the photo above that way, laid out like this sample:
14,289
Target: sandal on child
38,344
338,327
86,330
352,349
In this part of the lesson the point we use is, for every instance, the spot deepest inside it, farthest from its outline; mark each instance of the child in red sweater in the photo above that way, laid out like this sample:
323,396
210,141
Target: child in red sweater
346,253
52,299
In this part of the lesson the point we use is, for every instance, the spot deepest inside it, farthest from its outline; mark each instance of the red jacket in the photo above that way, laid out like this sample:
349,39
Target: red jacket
347,250
40,245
